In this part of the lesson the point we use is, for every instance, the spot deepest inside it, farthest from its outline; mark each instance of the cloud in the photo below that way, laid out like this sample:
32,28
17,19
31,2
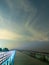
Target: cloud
36,35
8,35
17,6
20,5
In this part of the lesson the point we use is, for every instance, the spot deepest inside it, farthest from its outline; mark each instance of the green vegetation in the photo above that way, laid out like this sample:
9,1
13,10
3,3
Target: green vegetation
0,49
47,58
4,49
40,56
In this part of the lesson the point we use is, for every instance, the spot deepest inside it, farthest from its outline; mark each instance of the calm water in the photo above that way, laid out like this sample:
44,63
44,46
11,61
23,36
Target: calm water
23,59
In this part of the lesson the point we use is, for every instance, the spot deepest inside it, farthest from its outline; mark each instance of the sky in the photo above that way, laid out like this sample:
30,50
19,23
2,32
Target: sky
24,24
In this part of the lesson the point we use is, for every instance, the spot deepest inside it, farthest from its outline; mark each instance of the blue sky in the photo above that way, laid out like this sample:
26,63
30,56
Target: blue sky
23,22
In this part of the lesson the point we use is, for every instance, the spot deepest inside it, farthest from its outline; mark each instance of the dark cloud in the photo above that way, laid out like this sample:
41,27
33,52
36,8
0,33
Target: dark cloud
27,18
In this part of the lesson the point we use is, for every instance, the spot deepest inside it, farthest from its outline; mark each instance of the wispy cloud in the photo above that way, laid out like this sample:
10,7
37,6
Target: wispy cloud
24,7
20,5
36,35
8,35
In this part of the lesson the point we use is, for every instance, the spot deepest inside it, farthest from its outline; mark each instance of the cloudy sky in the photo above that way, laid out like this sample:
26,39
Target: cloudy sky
24,23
